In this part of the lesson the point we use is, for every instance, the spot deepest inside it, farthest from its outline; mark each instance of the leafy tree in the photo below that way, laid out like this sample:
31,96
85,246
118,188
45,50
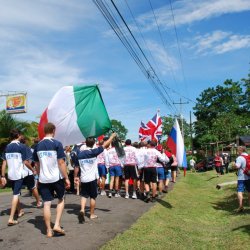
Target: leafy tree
222,112
119,129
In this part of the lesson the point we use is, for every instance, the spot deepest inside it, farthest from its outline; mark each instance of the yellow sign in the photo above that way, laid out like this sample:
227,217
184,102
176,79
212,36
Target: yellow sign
16,104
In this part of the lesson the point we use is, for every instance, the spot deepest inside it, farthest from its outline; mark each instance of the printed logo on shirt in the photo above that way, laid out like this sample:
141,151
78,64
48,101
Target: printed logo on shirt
42,154
12,156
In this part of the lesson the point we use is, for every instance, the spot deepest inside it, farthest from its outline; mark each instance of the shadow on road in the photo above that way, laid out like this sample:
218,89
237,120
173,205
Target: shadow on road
38,222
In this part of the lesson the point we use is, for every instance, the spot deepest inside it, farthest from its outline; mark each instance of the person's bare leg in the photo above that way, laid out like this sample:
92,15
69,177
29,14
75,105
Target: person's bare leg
14,205
111,184
240,199
47,217
160,186
117,179
83,204
126,185
36,195
103,183
59,211
154,189
92,208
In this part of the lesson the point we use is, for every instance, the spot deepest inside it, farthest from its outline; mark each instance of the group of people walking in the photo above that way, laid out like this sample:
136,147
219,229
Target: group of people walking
143,166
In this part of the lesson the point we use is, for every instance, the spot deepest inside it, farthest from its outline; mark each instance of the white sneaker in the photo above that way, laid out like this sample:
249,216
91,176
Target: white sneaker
134,196
126,196
110,195
117,195
103,193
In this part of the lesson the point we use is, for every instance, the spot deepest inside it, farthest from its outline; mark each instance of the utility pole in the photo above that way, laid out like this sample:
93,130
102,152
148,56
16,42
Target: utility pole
181,116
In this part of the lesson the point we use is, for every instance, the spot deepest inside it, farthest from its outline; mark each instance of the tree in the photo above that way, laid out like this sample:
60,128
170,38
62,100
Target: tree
222,112
119,129
8,122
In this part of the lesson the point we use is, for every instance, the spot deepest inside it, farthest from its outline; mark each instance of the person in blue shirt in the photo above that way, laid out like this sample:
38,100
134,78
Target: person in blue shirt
87,161
51,167
17,157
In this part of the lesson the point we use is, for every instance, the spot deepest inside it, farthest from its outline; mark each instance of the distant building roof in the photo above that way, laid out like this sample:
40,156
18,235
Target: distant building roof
244,140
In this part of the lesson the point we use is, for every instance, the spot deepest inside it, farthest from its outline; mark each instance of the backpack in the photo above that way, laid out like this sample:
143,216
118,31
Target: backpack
246,171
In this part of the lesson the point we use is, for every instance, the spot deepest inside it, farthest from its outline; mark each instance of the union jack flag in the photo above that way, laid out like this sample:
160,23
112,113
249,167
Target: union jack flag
144,132
152,130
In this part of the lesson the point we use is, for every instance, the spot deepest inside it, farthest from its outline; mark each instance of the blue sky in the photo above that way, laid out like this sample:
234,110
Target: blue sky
47,44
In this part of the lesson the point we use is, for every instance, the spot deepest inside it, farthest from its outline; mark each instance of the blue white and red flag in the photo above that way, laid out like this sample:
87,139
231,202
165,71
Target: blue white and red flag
175,142
144,132
155,125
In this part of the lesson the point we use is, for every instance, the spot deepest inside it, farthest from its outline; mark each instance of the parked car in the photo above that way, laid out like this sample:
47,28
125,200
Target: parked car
205,164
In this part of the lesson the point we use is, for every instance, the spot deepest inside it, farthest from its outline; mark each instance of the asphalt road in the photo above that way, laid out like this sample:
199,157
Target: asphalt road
115,215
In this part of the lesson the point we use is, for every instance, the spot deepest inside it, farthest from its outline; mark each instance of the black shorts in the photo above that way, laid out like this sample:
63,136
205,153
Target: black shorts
47,190
89,189
29,181
150,175
130,172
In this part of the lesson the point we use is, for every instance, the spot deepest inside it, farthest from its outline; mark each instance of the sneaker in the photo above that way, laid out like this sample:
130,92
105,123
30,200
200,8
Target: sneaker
110,195
159,194
147,199
134,196
165,190
126,196
117,195
240,209
103,193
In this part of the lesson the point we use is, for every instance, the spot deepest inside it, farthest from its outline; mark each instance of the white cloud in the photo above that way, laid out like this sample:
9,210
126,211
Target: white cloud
187,12
165,62
235,42
47,14
218,42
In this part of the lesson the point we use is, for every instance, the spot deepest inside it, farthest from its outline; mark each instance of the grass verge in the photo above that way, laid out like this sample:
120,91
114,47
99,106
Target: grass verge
194,215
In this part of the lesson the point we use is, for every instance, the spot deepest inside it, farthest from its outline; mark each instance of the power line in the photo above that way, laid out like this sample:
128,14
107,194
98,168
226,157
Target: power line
178,44
145,66
163,43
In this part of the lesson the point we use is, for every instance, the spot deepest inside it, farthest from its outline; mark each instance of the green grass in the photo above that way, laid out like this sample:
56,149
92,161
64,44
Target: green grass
4,190
194,215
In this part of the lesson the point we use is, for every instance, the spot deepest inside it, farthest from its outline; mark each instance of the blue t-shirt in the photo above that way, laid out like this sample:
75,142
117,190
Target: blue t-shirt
47,152
15,154
87,160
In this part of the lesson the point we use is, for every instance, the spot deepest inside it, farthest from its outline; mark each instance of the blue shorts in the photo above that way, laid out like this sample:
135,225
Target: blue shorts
168,174
243,185
115,171
47,190
17,186
161,174
102,170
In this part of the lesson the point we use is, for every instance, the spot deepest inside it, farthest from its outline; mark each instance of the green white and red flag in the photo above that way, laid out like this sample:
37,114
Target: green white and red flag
77,112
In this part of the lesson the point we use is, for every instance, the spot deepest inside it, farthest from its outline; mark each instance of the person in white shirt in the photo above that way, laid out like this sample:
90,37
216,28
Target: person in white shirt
114,165
150,172
16,156
130,167
243,182
49,160
192,164
102,170
89,174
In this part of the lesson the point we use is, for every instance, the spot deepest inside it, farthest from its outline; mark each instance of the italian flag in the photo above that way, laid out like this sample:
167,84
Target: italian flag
77,112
